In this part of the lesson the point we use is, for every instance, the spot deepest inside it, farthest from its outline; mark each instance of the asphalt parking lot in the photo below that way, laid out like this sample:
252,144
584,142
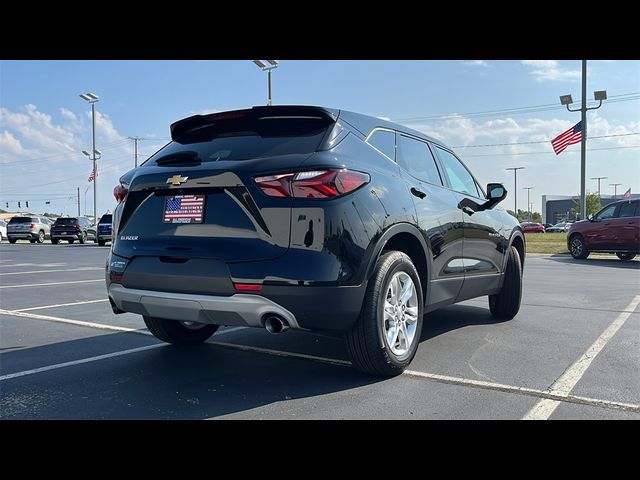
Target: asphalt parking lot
571,353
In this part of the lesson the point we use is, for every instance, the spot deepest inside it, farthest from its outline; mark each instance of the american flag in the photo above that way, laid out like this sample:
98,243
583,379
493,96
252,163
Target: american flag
571,136
184,209
92,176
627,194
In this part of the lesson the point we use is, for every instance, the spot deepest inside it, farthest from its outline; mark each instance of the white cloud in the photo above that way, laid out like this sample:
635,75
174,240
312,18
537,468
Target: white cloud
476,63
68,114
544,70
10,144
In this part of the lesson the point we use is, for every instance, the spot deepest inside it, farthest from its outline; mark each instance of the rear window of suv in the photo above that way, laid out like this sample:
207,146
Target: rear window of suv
66,221
245,139
105,219
23,220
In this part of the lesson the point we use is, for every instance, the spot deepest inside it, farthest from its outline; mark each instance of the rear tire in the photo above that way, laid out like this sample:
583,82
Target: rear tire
83,237
173,331
41,236
54,241
70,240
625,257
368,341
577,248
32,240
12,240
506,304
101,243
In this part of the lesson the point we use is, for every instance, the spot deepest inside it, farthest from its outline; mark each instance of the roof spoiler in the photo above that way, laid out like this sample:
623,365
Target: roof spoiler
195,122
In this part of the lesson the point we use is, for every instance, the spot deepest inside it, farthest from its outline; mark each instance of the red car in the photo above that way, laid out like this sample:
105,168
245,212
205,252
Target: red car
532,227
614,229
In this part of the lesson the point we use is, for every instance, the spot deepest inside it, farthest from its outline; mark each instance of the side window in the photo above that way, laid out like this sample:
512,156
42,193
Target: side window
385,141
416,158
459,177
606,213
627,210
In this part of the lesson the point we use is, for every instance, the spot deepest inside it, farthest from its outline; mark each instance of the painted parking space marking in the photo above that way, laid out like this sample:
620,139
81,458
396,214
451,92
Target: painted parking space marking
80,269
60,305
466,382
567,381
40,265
80,362
51,283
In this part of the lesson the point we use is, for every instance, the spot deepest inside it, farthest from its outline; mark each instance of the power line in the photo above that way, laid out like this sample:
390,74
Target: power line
542,153
541,141
624,97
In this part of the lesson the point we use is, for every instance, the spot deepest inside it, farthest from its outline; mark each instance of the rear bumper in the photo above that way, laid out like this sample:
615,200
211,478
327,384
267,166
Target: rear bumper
239,309
304,307
22,235
104,236
74,236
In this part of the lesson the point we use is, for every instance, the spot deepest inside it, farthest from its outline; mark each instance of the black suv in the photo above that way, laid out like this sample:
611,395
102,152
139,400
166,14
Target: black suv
70,229
308,218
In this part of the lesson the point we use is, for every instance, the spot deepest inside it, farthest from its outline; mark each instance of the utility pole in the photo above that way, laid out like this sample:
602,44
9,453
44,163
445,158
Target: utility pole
92,99
135,146
615,190
528,189
598,179
567,100
515,188
78,201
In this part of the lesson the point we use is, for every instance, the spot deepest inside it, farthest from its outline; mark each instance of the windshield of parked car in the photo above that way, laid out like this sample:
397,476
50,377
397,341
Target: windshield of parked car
66,221
23,220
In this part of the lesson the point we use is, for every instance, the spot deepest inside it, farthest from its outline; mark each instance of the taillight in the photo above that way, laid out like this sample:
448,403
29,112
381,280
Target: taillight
77,225
312,184
120,192
33,225
247,287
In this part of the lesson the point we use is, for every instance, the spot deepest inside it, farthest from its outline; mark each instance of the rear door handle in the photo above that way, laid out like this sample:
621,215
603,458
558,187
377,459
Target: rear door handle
418,193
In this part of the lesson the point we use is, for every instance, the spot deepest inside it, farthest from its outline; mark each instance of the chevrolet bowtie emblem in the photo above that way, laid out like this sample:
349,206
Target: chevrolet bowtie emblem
176,180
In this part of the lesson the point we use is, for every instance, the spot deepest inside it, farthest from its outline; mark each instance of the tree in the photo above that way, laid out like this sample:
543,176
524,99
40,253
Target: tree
523,216
593,205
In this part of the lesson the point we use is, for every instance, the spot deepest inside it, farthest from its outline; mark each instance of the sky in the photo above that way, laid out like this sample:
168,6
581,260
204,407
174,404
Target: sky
488,111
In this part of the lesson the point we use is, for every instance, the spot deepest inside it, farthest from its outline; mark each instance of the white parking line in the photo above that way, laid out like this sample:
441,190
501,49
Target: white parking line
545,395
81,269
565,383
52,283
80,362
33,264
60,305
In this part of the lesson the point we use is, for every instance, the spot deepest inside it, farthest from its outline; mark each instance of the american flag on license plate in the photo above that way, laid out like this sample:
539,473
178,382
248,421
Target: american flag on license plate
184,209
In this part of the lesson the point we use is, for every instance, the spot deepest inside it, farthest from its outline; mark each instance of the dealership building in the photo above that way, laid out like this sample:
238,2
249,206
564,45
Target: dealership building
557,208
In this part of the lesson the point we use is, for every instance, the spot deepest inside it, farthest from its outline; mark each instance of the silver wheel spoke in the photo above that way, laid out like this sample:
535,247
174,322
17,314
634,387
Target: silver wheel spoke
392,335
407,291
411,314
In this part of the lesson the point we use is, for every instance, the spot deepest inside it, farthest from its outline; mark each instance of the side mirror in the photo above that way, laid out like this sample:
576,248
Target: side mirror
590,217
496,192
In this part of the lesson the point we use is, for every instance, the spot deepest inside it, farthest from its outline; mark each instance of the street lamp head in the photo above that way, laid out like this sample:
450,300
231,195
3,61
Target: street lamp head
566,100
97,152
273,62
600,95
89,97
260,63
86,153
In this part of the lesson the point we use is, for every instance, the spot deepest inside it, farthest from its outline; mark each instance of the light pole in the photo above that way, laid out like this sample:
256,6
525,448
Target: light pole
97,154
566,100
598,179
615,190
135,152
515,188
268,66
528,189
92,99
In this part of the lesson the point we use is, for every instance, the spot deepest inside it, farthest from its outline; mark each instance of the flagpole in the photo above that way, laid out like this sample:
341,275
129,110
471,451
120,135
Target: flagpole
583,145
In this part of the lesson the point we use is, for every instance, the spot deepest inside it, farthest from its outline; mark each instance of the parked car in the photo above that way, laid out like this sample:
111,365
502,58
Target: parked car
559,228
104,229
309,218
614,229
547,225
532,227
3,230
32,227
71,229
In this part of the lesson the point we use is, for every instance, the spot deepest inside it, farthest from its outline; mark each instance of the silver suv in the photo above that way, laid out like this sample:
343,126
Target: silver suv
33,228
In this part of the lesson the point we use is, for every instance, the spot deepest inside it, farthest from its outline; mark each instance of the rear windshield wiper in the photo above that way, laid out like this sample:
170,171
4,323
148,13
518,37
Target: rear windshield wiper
180,158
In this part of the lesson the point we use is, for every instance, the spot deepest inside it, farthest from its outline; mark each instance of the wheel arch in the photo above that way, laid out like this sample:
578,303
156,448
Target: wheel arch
405,238
518,241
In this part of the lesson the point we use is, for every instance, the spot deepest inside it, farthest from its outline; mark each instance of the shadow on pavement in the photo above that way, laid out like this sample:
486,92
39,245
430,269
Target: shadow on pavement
455,317
611,261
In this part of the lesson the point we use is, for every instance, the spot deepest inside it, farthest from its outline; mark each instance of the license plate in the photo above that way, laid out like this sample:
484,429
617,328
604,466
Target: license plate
184,209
